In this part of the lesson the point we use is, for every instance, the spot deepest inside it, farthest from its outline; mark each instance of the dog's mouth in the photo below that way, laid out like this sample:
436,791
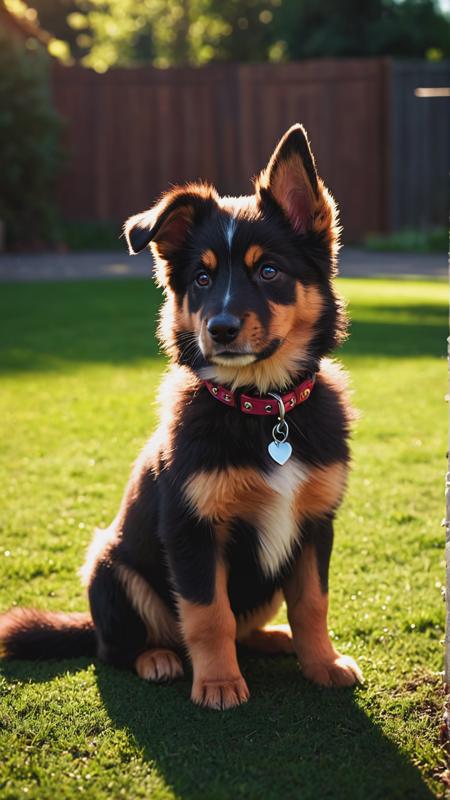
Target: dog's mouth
242,358
232,357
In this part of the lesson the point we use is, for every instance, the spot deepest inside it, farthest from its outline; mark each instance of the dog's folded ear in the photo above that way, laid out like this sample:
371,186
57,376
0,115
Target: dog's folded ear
168,223
291,179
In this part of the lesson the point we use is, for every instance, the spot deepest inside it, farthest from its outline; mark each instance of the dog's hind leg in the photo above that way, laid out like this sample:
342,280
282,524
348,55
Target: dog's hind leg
134,627
158,662
159,665
254,632
271,640
121,633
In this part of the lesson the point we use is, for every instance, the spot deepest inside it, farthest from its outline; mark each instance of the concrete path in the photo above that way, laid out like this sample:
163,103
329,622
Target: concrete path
355,263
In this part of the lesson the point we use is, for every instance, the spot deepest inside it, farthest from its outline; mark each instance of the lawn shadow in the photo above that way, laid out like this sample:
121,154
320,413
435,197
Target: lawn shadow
387,339
49,327
292,740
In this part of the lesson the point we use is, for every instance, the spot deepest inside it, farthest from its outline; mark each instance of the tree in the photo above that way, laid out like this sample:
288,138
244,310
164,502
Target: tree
339,28
30,153
53,17
107,33
175,32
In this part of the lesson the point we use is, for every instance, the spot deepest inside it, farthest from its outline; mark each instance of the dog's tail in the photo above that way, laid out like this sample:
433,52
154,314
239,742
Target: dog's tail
31,634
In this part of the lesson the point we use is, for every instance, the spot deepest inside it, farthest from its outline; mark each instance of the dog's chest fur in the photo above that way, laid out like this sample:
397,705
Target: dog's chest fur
266,500
277,521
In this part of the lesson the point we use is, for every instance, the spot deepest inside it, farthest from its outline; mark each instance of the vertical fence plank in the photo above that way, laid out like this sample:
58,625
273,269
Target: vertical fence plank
132,132
420,153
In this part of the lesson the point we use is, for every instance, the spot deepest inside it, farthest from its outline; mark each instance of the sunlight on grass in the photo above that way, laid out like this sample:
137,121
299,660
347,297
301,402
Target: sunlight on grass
80,369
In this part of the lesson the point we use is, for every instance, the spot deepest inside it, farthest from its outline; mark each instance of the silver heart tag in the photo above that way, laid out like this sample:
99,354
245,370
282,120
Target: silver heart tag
280,451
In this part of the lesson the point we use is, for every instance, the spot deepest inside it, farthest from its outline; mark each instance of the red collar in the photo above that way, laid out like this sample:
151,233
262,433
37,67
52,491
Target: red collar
264,406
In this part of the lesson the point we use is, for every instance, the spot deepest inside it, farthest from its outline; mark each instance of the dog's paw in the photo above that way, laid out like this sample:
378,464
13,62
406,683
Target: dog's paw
340,671
220,694
159,665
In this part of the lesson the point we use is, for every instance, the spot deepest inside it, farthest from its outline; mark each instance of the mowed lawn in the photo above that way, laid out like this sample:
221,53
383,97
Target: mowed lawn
79,370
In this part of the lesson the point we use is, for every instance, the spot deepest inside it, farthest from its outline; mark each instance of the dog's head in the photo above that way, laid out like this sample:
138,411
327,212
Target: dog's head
248,280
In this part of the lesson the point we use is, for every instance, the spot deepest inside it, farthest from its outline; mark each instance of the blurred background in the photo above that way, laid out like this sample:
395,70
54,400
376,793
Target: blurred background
103,103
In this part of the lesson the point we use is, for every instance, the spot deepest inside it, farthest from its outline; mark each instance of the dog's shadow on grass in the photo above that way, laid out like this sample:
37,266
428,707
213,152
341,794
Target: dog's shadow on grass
292,740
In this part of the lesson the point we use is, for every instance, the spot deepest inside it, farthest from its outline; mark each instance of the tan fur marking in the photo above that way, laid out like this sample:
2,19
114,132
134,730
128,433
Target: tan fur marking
258,618
186,320
209,259
252,332
222,533
264,375
253,255
322,491
273,640
307,613
309,304
282,321
210,634
162,627
296,323
221,494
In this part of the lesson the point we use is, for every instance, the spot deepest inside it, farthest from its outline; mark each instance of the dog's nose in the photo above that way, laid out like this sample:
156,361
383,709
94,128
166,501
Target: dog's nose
224,328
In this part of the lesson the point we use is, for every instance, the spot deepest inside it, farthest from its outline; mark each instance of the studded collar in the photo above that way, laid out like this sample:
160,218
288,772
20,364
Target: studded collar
262,406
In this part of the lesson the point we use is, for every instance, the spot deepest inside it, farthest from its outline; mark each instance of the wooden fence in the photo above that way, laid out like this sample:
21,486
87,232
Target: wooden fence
132,132
419,146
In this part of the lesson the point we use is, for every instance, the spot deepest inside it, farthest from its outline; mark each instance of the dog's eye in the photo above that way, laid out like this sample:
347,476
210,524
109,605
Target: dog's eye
268,272
202,279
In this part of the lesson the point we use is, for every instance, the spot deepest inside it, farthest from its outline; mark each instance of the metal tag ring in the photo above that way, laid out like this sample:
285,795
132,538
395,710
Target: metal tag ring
280,432
281,407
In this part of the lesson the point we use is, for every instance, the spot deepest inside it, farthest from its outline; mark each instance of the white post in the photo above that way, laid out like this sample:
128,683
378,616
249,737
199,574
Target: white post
447,564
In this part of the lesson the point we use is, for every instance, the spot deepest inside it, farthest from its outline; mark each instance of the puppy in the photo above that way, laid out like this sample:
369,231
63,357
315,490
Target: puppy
230,506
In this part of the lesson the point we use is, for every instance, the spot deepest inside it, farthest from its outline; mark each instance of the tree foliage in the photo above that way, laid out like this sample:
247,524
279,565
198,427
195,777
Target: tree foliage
340,28
174,32
180,32
29,145
55,16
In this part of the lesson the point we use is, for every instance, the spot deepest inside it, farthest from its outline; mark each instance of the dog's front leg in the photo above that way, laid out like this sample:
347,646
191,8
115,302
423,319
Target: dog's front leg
208,624
210,634
306,593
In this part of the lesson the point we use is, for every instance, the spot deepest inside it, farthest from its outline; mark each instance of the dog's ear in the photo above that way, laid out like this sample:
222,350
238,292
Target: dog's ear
291,179
168,223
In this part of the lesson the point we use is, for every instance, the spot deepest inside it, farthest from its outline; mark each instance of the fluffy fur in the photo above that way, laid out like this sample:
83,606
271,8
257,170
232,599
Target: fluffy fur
212,534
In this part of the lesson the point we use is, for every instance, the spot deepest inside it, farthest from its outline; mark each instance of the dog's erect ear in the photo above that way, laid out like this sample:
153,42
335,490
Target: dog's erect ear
291,179
168,223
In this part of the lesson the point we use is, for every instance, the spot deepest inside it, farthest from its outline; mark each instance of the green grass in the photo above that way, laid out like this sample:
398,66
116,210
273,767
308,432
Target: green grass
410,241
79,368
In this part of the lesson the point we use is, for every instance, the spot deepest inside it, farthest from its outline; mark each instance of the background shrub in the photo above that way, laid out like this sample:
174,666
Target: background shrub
30,151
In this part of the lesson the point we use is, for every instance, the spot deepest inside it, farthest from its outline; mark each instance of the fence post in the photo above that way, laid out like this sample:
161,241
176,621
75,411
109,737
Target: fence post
447,565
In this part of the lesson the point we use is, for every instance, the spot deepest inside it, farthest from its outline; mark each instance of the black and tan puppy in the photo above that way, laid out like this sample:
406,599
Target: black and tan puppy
230,505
